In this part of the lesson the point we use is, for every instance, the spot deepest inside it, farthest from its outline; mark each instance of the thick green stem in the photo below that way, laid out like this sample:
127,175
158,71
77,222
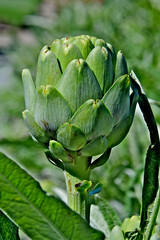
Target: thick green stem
77,200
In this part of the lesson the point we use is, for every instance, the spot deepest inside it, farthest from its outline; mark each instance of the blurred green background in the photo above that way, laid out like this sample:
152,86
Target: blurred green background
133,27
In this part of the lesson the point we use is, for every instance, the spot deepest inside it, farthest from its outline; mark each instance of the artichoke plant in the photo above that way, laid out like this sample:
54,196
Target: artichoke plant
81,104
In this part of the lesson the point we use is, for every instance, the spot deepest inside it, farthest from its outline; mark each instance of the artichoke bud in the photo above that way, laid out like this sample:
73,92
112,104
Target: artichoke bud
121,65
100,61
48,70
81,105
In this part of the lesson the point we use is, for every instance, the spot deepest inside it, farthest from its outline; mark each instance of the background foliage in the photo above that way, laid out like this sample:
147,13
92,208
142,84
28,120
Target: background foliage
133,27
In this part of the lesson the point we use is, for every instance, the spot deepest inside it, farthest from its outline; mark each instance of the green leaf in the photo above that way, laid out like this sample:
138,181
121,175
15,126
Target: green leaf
157,233
100,61
135,83
29,90
65,52
108,213
35,130
117,99
149,118
94,119
150,195
40,216
71,137
130,224
98,222
155,237
116,234
48,71
8,230
95,147
52,110
121,66
78,84
103,216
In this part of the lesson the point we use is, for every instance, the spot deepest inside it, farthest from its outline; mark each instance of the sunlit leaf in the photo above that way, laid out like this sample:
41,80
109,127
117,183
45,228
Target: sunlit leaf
38,215
8,230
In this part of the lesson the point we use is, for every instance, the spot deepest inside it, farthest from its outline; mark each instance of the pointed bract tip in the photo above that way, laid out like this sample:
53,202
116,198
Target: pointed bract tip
25,71
24,112
46,90
119,52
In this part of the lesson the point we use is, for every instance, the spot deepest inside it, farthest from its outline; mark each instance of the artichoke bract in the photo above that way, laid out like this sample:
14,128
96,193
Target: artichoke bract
81,104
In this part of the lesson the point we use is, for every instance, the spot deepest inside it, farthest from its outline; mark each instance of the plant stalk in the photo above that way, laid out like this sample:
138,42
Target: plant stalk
77,200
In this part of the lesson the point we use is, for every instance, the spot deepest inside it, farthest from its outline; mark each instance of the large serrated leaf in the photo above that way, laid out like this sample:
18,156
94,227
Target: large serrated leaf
8,230
40,216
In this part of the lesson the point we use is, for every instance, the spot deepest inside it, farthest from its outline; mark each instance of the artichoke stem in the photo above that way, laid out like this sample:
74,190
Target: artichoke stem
77,200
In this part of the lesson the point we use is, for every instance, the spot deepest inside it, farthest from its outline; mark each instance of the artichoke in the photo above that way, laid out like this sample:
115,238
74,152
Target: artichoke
81,104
